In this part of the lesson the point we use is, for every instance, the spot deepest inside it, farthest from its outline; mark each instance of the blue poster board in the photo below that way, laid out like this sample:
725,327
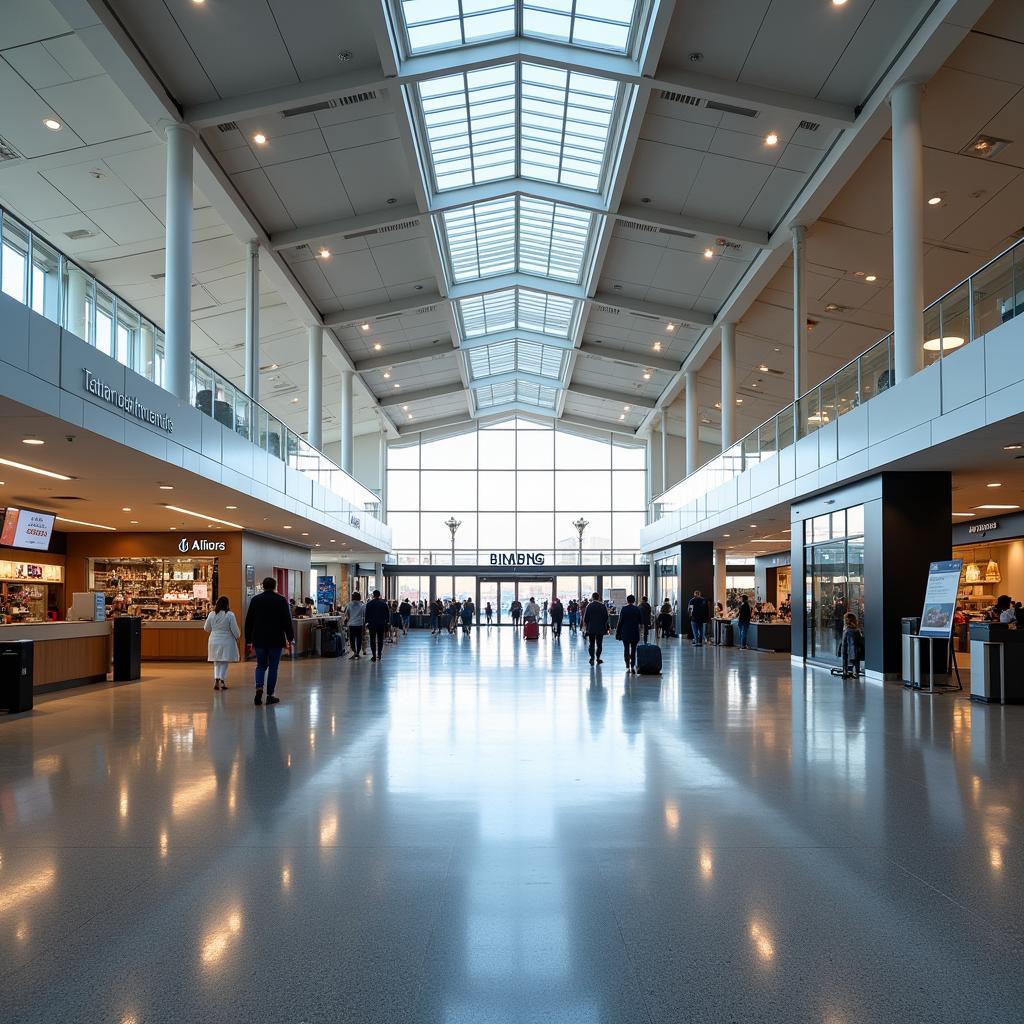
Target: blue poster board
940,598
326,593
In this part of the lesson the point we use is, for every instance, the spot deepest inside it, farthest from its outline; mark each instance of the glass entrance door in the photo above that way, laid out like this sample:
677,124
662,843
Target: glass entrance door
502,592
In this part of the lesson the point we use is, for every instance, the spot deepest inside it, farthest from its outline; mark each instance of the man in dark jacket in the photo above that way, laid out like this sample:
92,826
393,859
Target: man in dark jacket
697,610
628,631
268,630
378,615
646,616
595,625
557,611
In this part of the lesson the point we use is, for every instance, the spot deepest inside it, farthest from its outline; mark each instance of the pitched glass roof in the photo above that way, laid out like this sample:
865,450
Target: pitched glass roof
540,395
517,309
432,25
517,233
507,356
518,120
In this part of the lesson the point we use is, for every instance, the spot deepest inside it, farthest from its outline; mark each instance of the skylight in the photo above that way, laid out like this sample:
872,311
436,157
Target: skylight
520,356
517,309
532,236
538,395
432,25
562,120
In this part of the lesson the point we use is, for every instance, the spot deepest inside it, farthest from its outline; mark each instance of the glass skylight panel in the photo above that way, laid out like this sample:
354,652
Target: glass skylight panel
491,359
565,125
537,394
470,124
595,24
533,357
548,314
487,314
481,239
553,239
443,24
497,394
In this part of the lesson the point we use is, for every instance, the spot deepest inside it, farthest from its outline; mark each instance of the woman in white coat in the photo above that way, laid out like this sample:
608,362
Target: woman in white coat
222,648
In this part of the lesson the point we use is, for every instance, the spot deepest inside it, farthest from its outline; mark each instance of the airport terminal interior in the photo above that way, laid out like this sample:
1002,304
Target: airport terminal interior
510,511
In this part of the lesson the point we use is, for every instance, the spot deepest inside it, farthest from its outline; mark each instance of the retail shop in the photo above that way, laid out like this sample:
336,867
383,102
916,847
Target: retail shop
992,550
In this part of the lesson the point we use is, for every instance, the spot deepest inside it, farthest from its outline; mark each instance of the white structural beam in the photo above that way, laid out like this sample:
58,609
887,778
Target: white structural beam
599,350
589,391
315,387
728,395
799,311
598,426
442,422
414,355
692,419
655,310
367,314
178,261
343,227
425,394
252,321
346,409
692,225
514,376
503,282
484,340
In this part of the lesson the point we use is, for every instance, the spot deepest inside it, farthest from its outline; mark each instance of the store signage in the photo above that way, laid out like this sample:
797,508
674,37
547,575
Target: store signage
982,527
128,404
517,558
940,598
185,545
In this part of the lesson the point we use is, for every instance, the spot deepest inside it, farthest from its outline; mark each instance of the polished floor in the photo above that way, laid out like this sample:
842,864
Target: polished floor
494,832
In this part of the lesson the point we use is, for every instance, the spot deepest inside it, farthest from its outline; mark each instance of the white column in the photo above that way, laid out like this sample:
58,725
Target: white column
799,311
728,356
315,387
178,262
664,451
378,577
252,322
649,488
692,421
907,230
720,563
346,421
383,476
147,352
79,288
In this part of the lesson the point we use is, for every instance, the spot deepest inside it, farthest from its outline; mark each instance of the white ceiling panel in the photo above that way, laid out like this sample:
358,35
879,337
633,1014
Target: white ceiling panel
281,149
96,109
724,188
664,174
57,228
351,273
73,56
722,32
36,65
310,190
27,23
774,199
366,131
143,170
265,202
23,114
131,222
374,174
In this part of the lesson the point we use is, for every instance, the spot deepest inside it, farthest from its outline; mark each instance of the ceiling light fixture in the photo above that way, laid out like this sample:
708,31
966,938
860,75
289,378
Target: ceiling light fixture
32,440
34,469
231,506
324,253
763,367
771,139
126,509
997,508
625,408
1012,447
993,485
203,516
935,200
305,533
622,415
286,527
871,278
387,375
78,522
260,139
133,522
364,327
670,327
377,346
398,385
405,408
657,346
838,3
166,487
647,374
942,344
53,124
963,515
708,253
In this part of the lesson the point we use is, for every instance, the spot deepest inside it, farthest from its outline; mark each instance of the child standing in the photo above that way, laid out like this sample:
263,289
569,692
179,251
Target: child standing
851,646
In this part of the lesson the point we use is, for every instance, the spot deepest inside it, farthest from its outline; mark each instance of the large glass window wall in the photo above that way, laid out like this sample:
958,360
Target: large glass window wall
834,578
516,487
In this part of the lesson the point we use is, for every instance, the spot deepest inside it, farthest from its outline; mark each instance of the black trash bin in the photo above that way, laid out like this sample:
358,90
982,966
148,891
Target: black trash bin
127,648
16,675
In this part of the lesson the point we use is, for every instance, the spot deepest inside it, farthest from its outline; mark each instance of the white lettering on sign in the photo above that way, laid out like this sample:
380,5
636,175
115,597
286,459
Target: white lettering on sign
128,404
185,545
517,558
982,527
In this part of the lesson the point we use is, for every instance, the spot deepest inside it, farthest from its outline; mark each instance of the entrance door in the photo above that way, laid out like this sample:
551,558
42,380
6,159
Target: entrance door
502,592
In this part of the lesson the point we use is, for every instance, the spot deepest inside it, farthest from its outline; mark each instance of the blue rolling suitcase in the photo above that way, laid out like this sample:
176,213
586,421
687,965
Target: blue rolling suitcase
648,659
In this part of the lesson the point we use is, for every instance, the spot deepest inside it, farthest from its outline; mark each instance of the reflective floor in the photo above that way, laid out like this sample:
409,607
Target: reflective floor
493,832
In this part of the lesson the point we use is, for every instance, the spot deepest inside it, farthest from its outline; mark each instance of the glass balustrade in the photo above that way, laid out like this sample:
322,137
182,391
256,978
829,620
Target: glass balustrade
991,296
39,276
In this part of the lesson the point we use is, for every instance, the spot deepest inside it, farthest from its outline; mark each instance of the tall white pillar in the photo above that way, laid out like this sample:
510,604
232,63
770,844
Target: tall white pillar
692,421
383,475
649,484
178,262
907,230
77,315
721,557
799,311
346,421
252,322
315,387
664,451
728,356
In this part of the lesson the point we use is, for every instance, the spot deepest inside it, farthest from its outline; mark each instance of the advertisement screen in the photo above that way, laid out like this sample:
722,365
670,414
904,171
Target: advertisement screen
940,598
24,528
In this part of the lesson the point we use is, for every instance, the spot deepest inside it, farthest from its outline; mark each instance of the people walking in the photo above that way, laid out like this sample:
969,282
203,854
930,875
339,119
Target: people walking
468,609
516,611
743,616
646,616
665,622
355,617
557,611
268,631
222,647
595,625
377,616
531,613
573,609
488,612
405,610
697,610
436,612
628,631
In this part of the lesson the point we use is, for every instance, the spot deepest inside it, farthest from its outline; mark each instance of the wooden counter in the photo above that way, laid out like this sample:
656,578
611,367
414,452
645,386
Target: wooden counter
173,641
64,653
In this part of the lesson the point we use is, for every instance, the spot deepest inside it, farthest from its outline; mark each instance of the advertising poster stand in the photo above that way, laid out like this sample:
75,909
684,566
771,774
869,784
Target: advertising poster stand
940,599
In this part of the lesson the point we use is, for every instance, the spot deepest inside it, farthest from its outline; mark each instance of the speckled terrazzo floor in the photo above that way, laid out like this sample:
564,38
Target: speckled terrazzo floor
489,831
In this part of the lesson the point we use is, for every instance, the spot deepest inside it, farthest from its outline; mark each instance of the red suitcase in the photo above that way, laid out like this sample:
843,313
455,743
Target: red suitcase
531,631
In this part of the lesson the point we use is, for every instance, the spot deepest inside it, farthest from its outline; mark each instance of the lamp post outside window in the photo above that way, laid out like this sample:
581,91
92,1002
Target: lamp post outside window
453,524
581,524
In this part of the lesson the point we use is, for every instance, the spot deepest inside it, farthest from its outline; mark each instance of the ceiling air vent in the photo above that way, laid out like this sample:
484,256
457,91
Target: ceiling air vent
401,225
228,126
985,146
80,233
644,316
427,309
158,277
686,99
309,108
358,97
606,309
636,226
809,126
676,233
7,151
729,108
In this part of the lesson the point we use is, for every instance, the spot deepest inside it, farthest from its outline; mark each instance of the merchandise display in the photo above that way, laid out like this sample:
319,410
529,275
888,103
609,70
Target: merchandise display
168,589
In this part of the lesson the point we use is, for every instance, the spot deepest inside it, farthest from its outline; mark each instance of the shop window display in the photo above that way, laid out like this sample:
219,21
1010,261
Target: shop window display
168,589
834,577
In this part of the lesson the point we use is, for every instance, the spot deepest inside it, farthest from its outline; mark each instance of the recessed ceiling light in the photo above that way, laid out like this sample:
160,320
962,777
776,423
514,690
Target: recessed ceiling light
324,253
231,506
838,3
739,401
942,344
377,346
260,139
771,139
167,487
364,327
286,527
398,385
708,253
997,508
53,124
763,367
625,408
202,515
657,346
133,522
670,327
726,534
993,485
171,527
963,515
32,440
935,200
409,416
333,541
78,522
126,509
199,3
647,374
1012,447
387,375
405,408
305,533
295,401
871,277
753,526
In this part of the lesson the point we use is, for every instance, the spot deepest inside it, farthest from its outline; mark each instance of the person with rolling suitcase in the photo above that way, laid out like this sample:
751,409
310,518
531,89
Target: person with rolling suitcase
628,631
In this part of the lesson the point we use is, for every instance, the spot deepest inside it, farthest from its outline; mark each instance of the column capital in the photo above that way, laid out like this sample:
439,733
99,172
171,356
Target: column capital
166,127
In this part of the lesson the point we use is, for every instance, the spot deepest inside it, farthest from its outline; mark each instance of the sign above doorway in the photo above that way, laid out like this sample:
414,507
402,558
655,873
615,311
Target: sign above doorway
517,558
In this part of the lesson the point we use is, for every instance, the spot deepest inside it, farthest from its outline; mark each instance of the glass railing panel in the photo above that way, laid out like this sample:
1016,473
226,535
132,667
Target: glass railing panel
104,321
243,414
45,280
932,333
14,247
127,331
204,382
767,438
751,446
996,292
808,415
829,409
785,429
847,388
955,309
876,372
275,437
224,402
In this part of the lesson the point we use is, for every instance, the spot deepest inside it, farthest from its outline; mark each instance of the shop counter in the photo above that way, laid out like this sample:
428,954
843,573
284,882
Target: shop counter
64,653
174,641
770,636
305,628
